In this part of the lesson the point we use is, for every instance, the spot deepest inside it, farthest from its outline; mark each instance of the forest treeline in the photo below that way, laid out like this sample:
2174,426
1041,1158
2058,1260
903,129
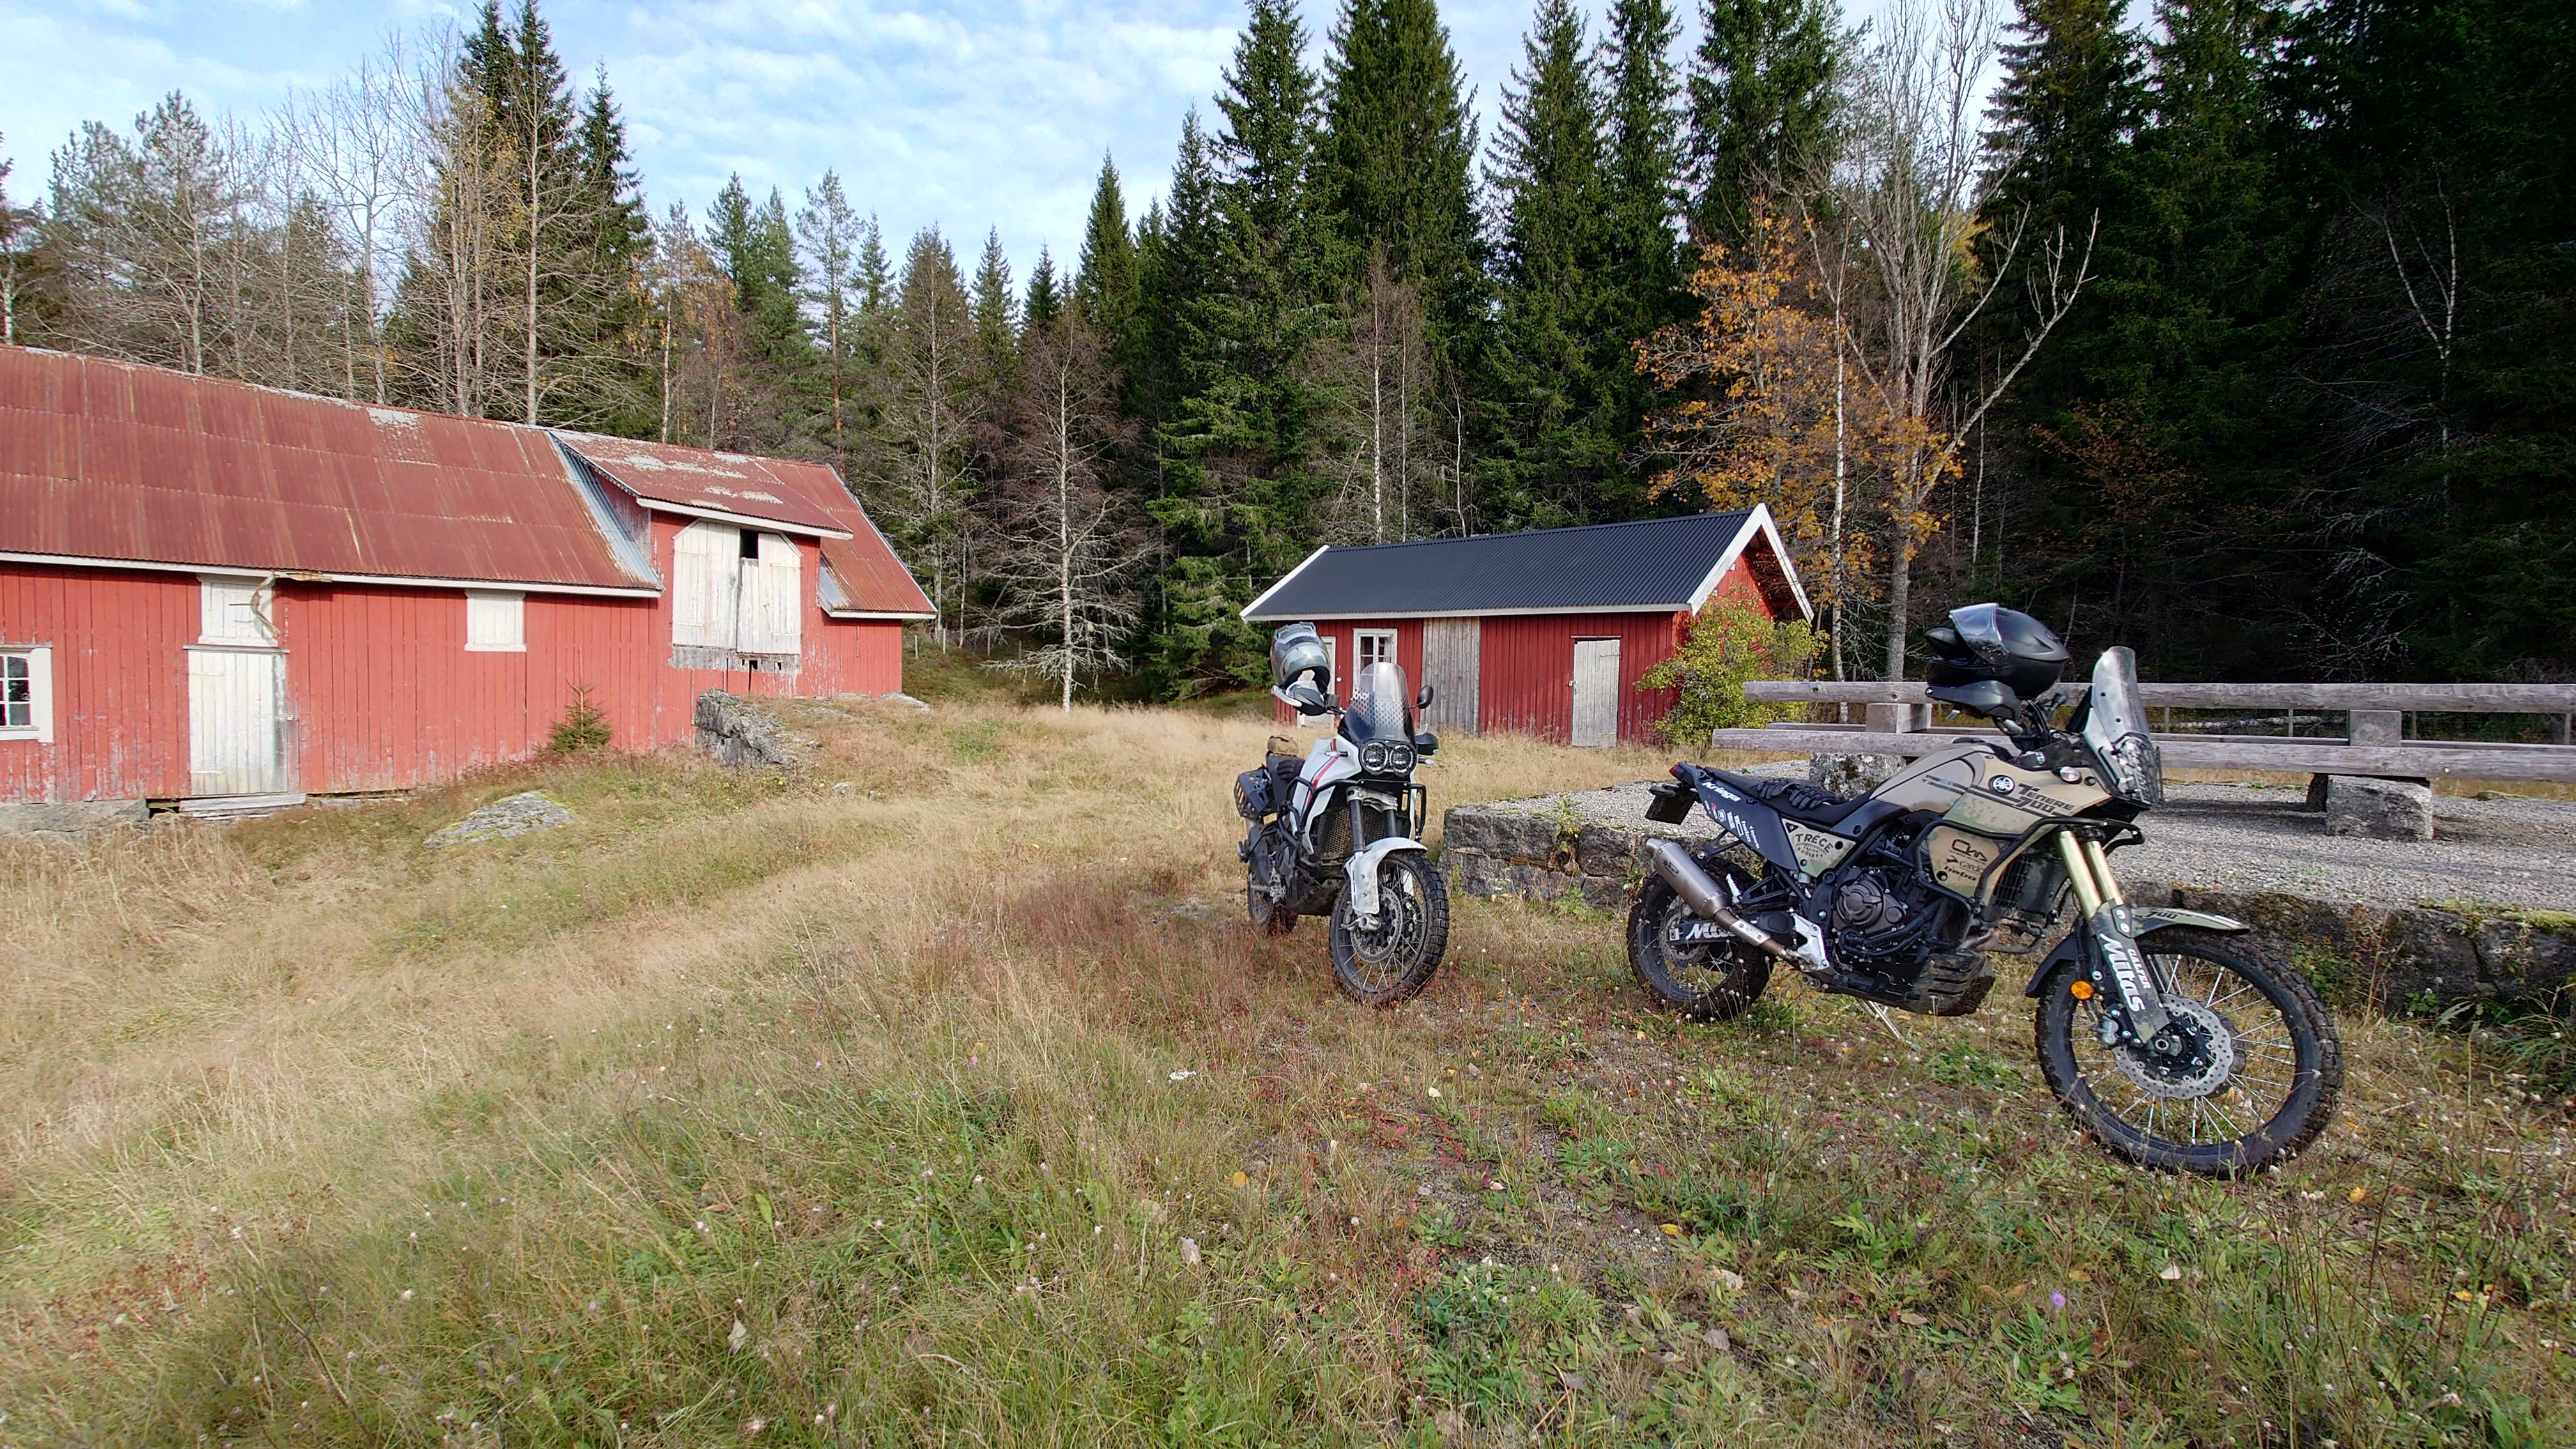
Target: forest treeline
2240,335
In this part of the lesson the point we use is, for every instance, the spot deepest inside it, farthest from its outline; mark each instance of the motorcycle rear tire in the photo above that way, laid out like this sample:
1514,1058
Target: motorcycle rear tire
1717,981
2313,1076
1390,963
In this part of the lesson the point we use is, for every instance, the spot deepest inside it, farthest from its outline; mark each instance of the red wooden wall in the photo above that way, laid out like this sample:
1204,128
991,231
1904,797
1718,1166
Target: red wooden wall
1525,679
382,692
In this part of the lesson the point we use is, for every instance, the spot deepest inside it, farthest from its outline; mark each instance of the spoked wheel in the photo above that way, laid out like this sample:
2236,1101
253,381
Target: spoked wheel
1688,965
1391,959
2255,1085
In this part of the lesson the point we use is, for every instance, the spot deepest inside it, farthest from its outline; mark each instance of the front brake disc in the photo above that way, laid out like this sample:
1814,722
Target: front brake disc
2212,1060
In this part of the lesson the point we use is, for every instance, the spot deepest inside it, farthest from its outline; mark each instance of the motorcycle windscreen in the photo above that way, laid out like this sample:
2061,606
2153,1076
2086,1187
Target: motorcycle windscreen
2115,730
1377,705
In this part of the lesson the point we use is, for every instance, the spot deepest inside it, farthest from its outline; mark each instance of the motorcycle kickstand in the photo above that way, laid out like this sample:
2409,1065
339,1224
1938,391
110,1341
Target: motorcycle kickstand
1885,1020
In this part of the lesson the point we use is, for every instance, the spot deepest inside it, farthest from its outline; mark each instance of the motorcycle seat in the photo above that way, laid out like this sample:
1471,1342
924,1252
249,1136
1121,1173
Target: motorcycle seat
1795,799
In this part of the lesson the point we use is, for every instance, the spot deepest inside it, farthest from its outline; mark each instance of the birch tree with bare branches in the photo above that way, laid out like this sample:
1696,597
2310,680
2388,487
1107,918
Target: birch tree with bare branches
1067,551
358,146
1375,380
1905,206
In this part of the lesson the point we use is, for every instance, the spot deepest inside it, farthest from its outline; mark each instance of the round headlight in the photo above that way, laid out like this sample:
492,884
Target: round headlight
1372,757
1399,757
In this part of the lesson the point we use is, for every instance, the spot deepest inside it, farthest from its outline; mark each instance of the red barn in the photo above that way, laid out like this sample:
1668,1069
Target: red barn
1545,632
212,592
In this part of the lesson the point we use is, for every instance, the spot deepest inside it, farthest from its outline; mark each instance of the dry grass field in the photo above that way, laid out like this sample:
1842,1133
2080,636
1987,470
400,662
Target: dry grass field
963,1107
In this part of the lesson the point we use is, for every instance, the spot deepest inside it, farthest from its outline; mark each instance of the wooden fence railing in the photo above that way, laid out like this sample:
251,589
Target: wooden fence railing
1897,717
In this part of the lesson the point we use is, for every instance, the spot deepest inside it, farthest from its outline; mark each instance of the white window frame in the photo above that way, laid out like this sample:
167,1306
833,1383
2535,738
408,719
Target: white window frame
496,622
1362,655
38,660
236,611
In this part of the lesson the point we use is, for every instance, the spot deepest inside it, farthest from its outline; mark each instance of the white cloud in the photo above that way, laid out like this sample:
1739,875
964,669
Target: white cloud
962,116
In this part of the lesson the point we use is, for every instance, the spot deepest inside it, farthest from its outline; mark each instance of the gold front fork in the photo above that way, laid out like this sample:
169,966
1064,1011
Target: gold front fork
2079,873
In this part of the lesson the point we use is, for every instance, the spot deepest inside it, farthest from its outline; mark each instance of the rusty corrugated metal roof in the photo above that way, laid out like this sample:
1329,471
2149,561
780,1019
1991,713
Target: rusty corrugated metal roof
735,483
872,579
111,460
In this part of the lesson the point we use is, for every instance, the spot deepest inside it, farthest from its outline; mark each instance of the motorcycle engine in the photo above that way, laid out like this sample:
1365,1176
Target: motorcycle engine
1884,917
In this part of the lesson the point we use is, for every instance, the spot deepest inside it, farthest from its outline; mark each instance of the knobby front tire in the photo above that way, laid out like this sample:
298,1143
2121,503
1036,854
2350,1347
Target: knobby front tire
2280,1097
1391,962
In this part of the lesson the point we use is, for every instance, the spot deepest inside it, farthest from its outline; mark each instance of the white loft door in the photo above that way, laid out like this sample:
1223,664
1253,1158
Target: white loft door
237,740
1596,691
1452,652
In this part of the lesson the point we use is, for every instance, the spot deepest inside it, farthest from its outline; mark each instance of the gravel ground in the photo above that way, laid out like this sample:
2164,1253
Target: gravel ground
2511,851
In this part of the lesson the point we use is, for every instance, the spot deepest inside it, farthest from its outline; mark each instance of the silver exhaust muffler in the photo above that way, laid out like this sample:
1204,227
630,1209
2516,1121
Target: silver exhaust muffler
1701,894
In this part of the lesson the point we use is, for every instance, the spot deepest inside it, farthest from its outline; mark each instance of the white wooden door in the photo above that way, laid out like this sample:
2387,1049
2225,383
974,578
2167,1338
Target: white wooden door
706,585
1596,691
1452,656
237,737
773,589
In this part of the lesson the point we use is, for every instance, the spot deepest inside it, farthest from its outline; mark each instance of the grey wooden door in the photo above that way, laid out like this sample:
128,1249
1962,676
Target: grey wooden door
1596,691
1452,656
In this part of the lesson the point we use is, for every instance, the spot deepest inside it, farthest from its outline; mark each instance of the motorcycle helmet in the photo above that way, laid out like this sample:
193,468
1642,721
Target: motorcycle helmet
1297,652
1989,641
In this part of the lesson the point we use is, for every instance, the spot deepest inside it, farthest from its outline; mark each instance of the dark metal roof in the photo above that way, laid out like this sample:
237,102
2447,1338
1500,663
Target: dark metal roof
1655,563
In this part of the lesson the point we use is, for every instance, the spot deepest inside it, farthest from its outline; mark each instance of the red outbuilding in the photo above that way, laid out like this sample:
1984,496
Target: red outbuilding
1544,632
219,594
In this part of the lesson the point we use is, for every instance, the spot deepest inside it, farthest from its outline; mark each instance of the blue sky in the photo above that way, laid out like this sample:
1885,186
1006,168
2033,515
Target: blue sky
964,116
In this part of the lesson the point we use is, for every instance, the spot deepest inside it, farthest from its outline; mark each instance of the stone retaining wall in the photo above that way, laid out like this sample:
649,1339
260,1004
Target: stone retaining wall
1589,845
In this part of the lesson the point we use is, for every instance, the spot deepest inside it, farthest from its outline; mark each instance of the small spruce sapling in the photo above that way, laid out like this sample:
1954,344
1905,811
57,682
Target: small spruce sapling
584,726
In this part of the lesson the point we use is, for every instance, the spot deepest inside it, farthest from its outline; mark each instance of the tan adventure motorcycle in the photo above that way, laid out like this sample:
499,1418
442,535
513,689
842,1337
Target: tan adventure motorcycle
2165,1033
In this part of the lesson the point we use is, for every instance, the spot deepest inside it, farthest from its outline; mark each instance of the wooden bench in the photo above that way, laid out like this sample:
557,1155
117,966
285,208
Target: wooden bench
1897,721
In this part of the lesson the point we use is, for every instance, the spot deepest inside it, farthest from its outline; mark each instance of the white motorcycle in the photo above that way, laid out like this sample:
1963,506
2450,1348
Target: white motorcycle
1338,832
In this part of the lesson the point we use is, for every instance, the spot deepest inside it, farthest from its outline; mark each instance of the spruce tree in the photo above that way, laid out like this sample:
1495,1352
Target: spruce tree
608,306
1177,266
1104,279
1642,192
1046,301
996,306
1544,374
1396,157
1764,93
1232,497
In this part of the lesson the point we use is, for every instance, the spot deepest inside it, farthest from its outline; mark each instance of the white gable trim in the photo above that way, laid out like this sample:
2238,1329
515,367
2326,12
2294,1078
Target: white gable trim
1756,523
1253,609
739,520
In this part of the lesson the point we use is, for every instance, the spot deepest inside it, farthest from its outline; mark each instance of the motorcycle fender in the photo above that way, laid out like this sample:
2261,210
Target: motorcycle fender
2144,923
1361,871
2156,918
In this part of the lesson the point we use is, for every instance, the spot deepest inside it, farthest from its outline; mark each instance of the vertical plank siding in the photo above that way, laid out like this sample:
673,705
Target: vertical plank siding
1526,666
381,691
120,732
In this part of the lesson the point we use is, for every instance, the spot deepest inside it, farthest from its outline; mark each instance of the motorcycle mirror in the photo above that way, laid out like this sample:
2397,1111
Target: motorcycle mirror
1423,700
